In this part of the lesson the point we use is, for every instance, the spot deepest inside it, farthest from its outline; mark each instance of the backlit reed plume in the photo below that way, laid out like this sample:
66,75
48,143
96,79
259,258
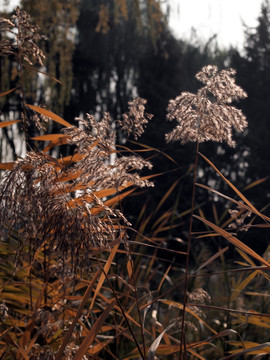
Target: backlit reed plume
208,115
20,38
63,202
239,215
135,120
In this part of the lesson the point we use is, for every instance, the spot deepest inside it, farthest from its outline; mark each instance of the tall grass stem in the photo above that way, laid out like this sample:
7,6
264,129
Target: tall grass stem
183,340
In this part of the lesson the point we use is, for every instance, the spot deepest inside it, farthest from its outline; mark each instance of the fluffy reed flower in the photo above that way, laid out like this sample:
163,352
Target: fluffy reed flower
5,44
200,296
135,120
239,215
64,204
24,38
208,115
96,158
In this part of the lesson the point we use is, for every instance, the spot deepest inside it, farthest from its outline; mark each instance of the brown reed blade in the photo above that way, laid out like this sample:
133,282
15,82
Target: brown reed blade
232,239
49,114
7,123
234,188
8,92
90,337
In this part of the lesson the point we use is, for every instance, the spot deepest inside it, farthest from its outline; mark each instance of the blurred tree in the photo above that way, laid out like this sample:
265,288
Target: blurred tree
57,20
253,69
148,14
112,38
109,43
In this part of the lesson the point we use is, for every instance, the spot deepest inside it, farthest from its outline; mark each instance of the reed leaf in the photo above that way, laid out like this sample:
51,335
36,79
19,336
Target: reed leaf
234,188
105,271
50,115
93,332
7,166
7,123
239,244
8,92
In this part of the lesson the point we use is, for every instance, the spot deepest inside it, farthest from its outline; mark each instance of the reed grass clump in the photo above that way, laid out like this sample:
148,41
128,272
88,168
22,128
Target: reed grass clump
63,202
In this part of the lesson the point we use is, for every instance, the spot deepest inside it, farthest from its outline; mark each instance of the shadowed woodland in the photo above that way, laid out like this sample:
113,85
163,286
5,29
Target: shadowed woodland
134,186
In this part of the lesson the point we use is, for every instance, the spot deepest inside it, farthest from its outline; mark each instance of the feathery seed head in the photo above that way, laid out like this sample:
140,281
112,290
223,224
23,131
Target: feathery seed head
24,38
207,115
65,204
135,120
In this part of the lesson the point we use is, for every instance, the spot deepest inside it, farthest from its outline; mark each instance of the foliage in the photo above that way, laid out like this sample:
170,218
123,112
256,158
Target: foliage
79,282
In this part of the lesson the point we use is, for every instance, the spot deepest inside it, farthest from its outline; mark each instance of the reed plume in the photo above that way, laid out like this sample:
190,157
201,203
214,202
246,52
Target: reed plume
208,115
64,202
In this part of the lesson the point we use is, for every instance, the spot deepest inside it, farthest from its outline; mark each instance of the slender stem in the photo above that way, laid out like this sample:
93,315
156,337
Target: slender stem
30,274
45,275
20,70
183,338
137,304
27,139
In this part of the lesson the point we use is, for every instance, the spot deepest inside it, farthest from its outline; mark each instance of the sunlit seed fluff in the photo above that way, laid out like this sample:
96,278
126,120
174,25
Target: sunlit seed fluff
70,214
135,120
208,115
22,42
